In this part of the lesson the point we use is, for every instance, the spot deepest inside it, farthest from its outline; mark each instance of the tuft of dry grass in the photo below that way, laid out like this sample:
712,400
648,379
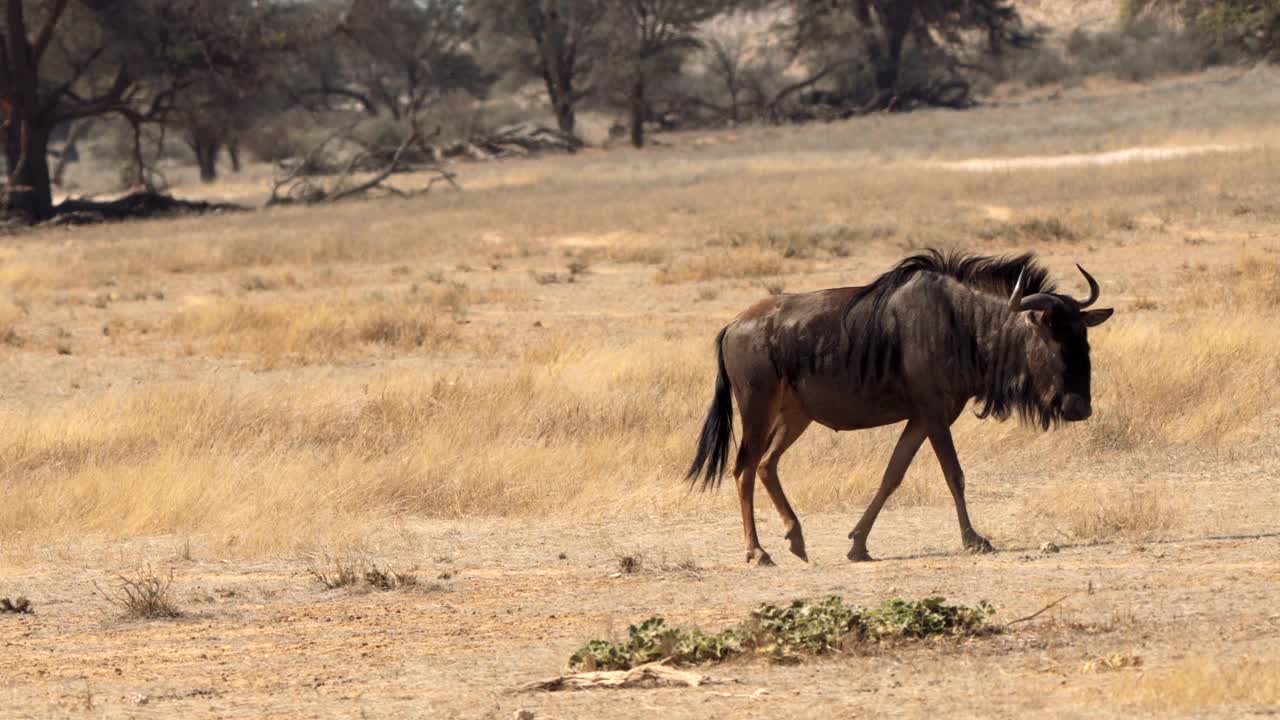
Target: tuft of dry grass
734,263
1101,512
1205,683
388,579
333,572
144,595
11,318
1111,663
349,570
17,606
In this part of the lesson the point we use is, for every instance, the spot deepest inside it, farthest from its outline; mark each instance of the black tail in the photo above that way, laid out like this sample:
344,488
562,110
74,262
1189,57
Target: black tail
717,430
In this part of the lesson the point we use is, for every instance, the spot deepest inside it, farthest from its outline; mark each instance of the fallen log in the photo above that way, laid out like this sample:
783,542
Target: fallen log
641,676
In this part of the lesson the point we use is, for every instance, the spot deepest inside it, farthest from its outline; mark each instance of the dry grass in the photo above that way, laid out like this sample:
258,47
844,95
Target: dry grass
1203,684
1098,512
592,404
317,331
11,319
729,264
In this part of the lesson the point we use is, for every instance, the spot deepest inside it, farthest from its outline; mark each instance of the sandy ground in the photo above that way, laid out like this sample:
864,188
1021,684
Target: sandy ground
1049,162
506,602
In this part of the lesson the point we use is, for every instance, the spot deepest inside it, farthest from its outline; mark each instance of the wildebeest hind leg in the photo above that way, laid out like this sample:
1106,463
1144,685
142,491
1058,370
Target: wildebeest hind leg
746,501
790,423
757,415
908,443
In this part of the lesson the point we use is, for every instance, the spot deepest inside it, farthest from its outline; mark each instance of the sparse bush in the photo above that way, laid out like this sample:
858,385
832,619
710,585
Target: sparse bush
785,633
287,135
18,606
335,571
143,595
387,579
1228,28
1137,52
630,564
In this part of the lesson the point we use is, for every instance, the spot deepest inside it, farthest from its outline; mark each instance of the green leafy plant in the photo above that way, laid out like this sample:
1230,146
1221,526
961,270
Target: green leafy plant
785,633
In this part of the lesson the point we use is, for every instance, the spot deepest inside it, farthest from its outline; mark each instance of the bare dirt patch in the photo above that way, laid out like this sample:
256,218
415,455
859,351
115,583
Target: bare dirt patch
1112,157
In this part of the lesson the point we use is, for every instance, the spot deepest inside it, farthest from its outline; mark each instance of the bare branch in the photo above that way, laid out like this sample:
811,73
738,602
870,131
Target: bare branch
46,33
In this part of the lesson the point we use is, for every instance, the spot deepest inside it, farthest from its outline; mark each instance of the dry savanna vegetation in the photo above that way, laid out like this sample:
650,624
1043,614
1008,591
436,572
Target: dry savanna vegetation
501,388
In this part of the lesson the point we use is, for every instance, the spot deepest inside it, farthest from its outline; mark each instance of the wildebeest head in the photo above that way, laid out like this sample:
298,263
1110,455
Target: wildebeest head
1059,356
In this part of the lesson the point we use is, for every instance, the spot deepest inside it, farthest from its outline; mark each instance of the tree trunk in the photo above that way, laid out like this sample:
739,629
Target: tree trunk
565,116
886,56
206,143
233,152
637,111
30,191
207,159
559,82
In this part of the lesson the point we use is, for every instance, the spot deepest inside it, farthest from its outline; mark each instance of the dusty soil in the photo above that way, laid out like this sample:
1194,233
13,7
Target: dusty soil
263,640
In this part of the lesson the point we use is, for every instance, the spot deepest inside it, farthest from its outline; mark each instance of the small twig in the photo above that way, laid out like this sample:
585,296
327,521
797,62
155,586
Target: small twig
1037,613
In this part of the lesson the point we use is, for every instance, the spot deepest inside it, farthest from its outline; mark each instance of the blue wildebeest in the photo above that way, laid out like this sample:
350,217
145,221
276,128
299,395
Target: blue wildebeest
916,345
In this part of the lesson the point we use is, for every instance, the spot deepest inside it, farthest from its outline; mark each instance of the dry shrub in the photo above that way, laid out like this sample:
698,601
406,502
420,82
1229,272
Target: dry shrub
1203,683
1098,512
325,330
744,262
652,254
143,595
388,579
335,571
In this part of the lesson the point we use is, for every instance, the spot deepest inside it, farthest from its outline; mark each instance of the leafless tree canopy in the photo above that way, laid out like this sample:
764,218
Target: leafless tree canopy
275,77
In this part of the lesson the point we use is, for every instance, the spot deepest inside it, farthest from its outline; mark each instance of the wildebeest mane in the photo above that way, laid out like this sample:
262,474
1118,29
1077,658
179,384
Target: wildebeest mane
874,350
990,275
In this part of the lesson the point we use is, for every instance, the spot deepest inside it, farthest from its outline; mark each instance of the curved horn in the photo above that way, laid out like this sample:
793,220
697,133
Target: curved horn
1094,290
1039,301
1015,299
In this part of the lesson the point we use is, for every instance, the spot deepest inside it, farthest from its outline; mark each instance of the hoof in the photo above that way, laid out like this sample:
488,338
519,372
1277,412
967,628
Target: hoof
759,558
977,544
797,545
858,554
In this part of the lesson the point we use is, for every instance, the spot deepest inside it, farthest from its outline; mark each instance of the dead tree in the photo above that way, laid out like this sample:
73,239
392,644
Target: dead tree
298,185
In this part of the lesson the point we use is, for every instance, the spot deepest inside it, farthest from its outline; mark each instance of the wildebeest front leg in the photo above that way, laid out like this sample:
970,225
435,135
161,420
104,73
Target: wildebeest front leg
746,500
945,449
912,437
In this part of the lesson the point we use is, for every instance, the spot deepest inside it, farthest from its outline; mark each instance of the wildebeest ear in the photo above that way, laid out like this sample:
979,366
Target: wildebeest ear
1094,318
